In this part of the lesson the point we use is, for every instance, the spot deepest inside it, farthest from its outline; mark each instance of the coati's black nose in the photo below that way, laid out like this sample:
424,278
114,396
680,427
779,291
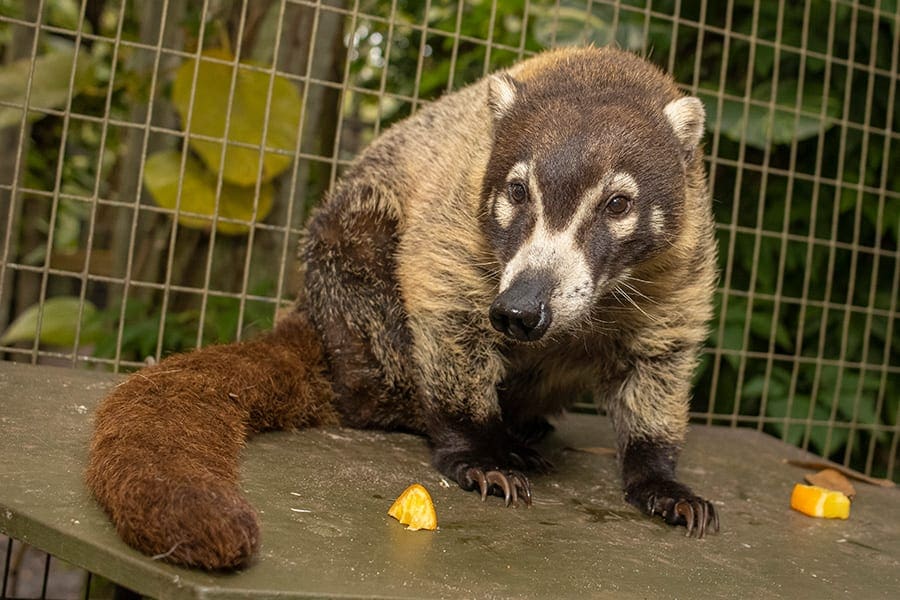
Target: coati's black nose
522,311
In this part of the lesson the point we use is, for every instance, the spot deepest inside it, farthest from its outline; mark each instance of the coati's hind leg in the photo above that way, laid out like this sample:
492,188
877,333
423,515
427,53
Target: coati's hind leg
352,293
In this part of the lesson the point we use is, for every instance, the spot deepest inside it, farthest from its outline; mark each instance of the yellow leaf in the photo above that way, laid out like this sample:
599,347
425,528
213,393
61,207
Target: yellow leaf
198,194
247,118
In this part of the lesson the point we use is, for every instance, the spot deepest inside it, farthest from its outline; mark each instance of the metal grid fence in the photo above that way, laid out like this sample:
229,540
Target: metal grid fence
130,230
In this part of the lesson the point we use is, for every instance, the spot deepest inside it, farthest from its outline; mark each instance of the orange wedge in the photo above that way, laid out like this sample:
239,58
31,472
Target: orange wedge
414,508
816,501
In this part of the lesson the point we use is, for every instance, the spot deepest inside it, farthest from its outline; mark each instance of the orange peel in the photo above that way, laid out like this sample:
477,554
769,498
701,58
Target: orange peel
816,501
414,509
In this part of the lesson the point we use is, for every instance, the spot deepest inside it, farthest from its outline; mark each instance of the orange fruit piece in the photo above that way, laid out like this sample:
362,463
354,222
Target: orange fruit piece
414,508
816,501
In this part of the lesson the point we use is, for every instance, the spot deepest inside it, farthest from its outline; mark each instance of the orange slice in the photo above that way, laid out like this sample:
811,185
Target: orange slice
815,501
414,508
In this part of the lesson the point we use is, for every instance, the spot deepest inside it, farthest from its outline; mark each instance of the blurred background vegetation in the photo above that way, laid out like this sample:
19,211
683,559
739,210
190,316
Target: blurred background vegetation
135,233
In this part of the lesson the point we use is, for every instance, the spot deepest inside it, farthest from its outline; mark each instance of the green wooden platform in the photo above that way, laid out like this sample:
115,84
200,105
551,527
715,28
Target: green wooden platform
323,496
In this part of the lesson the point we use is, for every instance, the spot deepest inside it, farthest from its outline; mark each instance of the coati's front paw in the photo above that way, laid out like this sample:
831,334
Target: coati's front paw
488,474
676,504
493,465
510,483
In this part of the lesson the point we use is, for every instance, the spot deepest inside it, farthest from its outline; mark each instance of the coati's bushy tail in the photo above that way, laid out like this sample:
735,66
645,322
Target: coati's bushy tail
164,456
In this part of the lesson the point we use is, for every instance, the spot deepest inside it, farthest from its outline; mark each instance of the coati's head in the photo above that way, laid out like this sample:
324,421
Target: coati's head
586,181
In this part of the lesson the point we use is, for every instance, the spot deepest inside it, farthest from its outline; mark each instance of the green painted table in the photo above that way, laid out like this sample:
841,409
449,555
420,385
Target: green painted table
323,496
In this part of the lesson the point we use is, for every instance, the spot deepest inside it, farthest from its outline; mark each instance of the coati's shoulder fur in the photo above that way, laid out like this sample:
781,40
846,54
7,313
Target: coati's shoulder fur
543,232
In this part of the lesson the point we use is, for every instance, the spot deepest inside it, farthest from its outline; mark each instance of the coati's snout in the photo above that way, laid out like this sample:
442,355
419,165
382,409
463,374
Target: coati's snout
522,311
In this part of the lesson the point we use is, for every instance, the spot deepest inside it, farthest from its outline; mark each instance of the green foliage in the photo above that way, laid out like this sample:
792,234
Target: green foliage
774,120
58,320
140,325
49,89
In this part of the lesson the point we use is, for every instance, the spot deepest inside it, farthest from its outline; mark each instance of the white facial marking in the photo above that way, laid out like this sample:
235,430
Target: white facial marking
557,252
519,171
617,181
624,227
623,182
657,220
504,209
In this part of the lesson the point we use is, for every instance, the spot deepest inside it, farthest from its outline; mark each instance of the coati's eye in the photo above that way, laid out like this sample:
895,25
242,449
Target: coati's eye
618,205
518,193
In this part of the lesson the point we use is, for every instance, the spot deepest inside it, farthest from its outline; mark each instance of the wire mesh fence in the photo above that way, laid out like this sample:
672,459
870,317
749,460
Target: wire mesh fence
157,160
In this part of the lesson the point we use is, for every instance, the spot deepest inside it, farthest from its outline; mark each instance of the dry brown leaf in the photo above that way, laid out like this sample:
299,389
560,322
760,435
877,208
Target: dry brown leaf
832,480
850,473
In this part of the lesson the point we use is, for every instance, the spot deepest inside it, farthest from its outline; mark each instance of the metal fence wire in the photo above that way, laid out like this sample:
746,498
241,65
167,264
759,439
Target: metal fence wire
130,230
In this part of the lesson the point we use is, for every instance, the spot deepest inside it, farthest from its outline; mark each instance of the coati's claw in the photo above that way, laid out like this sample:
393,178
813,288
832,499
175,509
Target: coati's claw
686,511
677,506
512,484
695,513
478,476
497,478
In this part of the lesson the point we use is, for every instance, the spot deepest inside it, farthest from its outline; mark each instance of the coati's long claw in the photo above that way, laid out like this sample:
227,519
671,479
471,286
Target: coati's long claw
477,475
676,504
499,479
521,484
512,484
685,510
698,515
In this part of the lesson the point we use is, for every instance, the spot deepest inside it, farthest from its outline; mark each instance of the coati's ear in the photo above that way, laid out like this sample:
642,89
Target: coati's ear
502,93
687,117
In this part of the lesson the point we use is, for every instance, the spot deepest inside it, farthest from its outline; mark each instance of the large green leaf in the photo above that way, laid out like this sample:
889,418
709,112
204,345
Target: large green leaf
778,124
59,319
248,117
49,86
198,194
818,434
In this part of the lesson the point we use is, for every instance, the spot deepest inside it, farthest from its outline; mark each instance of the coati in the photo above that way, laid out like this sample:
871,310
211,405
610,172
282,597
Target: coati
542,232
